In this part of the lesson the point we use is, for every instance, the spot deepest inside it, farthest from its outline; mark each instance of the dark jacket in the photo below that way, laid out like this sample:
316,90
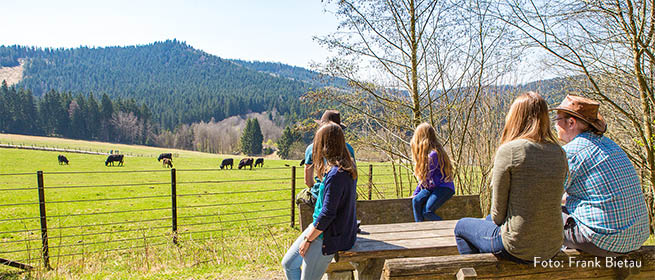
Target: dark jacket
337,219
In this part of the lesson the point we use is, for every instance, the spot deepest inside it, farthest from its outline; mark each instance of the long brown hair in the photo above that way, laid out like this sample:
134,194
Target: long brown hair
423,142
330,150
528,119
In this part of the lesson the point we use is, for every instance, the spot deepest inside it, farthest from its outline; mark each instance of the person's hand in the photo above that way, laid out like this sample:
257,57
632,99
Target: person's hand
304,246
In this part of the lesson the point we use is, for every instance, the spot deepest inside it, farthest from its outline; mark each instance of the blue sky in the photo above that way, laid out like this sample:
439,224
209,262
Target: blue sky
274,30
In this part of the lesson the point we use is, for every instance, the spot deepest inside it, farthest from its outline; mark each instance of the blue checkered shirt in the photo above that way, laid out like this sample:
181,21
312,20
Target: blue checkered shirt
604,195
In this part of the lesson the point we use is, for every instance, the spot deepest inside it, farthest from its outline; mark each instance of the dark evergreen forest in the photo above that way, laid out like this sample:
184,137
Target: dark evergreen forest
177,83
75,116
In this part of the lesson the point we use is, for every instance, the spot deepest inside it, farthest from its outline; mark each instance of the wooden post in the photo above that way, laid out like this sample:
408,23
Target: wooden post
370,181
174,204
395,179
293,196
44,221
467,273
400,178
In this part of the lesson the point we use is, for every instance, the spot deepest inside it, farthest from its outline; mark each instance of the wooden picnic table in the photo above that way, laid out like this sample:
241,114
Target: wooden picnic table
376,243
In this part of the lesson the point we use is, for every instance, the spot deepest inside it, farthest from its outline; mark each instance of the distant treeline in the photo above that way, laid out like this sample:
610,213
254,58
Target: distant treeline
75,116
179,84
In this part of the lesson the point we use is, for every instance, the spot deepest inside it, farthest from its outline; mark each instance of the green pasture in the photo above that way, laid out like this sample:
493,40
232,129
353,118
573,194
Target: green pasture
227,219
92,146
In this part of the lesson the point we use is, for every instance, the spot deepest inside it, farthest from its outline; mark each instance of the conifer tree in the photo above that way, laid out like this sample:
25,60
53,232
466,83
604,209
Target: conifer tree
286,140
251,139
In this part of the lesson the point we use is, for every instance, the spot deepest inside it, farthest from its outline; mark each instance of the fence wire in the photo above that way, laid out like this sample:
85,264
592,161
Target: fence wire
176,208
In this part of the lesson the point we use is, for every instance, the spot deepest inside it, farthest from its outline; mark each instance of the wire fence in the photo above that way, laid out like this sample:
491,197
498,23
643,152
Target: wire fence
39,221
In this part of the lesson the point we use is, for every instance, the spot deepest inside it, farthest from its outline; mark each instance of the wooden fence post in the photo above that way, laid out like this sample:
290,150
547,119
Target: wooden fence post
370,181
174,204
45,254
293,196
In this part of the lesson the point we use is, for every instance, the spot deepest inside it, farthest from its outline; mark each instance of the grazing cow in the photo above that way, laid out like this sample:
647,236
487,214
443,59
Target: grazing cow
302,162
165,155
246,162
112,158
167,163
62,159
260,162
226,162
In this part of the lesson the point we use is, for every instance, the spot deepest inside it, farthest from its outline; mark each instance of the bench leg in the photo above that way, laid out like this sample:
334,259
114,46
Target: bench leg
340,275
369,270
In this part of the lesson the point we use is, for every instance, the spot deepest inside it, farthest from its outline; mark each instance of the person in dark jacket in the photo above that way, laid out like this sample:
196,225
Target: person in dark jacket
335,222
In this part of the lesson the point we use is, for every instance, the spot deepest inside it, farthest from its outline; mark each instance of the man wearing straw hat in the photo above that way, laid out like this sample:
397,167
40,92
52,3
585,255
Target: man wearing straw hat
605,212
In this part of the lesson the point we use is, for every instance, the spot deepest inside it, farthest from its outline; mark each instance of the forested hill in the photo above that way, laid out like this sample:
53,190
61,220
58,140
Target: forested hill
177,82
292,72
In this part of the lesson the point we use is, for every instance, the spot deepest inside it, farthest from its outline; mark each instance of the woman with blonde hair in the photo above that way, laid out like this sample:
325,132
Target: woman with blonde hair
335,223
527,181
433,171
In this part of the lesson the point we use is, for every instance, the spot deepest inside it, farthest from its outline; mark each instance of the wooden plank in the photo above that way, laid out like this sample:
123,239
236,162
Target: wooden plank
435,246
392,211
401,227
384,237
487,266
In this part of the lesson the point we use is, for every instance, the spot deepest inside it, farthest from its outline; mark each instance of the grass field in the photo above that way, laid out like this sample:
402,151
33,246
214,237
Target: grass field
115,222
109,222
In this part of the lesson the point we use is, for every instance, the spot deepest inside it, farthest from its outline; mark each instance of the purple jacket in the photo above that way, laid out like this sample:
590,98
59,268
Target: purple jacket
435,178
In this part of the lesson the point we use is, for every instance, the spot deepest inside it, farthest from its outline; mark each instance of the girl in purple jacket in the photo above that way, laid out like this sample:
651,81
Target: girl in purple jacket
433,171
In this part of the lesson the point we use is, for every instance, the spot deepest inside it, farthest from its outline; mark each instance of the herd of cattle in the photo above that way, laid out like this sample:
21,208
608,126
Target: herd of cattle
167,161
242,163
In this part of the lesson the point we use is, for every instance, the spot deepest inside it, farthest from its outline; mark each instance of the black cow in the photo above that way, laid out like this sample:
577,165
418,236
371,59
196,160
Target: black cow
112,158
302,162
62,159
246,162
226,162
165,155
260,162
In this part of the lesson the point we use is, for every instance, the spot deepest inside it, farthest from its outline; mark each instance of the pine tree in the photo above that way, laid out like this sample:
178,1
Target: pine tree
286,140
106,112
251,139
258,138
246,138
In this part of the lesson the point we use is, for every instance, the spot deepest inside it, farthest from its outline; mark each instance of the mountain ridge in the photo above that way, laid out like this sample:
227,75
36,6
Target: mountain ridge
179,83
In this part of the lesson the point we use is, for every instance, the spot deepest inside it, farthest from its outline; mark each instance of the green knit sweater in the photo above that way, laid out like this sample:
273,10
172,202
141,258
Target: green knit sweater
527,184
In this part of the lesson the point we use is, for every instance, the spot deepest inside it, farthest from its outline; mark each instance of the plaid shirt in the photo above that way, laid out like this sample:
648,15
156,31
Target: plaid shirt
604,195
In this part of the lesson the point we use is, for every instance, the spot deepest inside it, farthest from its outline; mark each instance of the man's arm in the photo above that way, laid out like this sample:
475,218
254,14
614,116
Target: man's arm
309,175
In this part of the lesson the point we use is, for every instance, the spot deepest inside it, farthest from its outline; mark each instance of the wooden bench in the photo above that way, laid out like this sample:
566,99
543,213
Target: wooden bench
393,211
386,213
567,264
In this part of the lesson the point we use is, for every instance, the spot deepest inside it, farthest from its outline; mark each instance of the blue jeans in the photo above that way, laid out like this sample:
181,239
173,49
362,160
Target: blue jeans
426,201
315,263
475,236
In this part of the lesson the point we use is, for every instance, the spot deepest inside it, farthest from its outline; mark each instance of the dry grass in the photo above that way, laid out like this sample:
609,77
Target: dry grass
255,254
12,75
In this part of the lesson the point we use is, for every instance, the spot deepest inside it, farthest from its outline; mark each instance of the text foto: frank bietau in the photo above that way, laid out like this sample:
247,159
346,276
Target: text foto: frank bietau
596,262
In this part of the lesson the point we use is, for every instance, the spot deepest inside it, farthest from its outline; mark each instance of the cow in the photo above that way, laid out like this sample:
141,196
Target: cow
62,159
165,155
302,162
246,162
112,158
260,162
226,162
167,163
